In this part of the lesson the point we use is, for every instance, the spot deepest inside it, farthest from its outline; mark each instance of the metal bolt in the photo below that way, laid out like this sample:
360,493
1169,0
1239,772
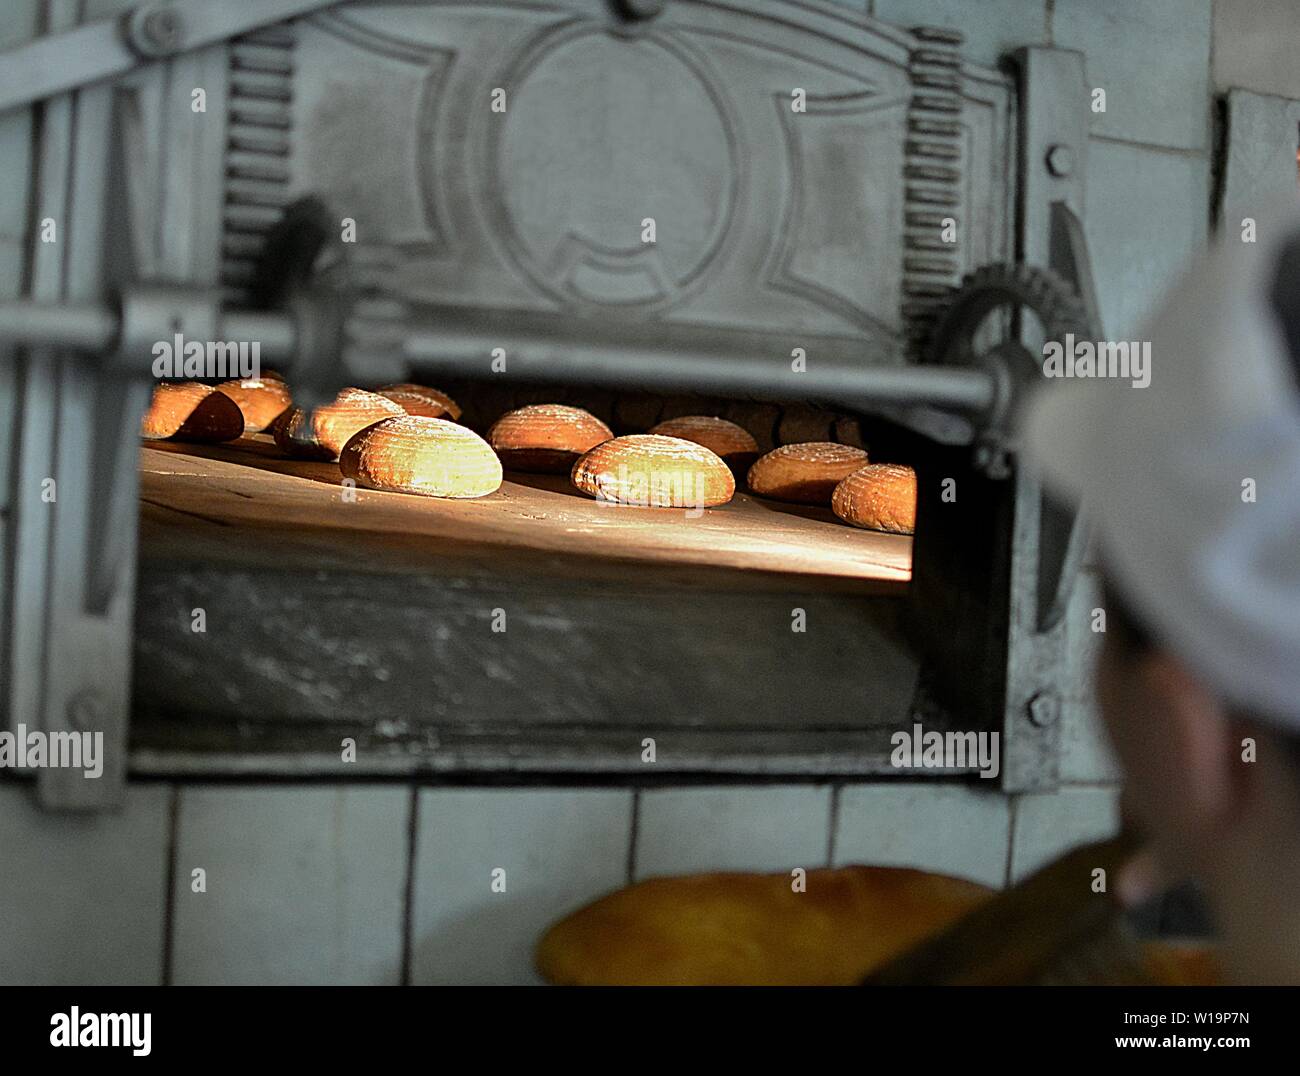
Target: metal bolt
1060,160
154,32
1044,709
162,28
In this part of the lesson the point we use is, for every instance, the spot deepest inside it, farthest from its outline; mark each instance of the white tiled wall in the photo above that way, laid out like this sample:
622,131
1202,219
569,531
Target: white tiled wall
1049,823
1153,60
1148,212
735,828
303,885
1255,48
957,830
83,899
549,851
332,885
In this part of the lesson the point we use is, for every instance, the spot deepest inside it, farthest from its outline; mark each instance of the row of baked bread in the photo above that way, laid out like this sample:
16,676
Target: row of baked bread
404,438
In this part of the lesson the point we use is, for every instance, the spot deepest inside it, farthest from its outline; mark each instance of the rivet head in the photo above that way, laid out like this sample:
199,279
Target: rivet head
1060,160
1044,709
154,32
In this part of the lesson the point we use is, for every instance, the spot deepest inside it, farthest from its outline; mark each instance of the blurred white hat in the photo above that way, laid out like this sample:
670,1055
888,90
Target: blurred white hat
1193,482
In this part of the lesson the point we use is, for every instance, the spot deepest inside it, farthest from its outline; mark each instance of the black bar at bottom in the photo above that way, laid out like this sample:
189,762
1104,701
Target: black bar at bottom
437,1026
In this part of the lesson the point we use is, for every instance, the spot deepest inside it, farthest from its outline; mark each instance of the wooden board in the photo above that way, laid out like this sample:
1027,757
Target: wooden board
248,485
373,620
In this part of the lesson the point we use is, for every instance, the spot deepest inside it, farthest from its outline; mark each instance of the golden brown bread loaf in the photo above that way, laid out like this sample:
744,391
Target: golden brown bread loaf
429,456
755,930
752,929
733,444
261,400
422,400
804,473
880,497
189,411
545,438
654,471
321,433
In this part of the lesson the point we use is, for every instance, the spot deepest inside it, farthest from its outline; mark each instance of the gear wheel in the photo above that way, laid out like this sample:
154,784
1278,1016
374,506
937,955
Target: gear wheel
957,340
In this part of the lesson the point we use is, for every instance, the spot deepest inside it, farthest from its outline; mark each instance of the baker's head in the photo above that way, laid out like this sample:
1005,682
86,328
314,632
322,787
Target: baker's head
1192,486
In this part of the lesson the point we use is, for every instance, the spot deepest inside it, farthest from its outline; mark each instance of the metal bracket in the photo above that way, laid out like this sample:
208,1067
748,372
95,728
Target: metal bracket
1063,531
1048,540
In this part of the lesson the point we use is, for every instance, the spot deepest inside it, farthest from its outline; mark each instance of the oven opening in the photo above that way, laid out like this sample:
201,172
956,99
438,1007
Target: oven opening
283,618
284,610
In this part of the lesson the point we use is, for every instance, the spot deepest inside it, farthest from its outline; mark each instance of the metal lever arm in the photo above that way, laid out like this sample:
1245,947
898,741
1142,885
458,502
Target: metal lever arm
458,343
124,332
56,63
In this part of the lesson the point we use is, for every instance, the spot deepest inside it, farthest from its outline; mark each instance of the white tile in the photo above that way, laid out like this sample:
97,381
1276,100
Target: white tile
1152,59
304,885
733,828
559,849
1048,824
1147,214
82,897
1260,164
1255,46
992,27
948,829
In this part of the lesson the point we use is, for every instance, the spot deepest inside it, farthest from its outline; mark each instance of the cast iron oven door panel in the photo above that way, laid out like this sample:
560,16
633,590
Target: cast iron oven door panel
507,158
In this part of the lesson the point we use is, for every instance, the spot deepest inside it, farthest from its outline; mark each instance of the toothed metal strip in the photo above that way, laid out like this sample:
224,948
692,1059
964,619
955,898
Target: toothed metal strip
932,174
258,141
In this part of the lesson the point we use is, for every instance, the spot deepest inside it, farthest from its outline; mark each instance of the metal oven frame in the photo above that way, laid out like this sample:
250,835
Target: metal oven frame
155,238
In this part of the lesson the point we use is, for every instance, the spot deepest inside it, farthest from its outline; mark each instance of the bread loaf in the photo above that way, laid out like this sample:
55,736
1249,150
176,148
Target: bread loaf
321,433
422,400
545,438
848,924
189,411
880,497
429,456
733,444
805,473
753,929
654,471
260,400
